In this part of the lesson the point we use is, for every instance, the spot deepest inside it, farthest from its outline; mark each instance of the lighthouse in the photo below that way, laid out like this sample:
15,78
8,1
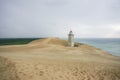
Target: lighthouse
71,39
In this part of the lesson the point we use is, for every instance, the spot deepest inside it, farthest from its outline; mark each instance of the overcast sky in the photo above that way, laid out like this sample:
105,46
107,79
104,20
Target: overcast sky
55,18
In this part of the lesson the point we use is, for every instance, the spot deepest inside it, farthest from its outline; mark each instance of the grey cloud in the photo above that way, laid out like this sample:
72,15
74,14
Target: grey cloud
56,3
39,18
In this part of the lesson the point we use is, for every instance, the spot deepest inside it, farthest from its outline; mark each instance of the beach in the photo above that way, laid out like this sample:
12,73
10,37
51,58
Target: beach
52,59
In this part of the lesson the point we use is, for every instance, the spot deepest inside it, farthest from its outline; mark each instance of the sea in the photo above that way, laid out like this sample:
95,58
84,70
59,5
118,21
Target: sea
111,45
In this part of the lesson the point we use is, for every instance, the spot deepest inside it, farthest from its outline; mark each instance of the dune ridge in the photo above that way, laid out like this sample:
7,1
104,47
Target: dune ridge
55,41
52,59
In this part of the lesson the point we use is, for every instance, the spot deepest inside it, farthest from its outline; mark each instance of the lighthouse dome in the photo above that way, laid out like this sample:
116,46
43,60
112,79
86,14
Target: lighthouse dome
70,32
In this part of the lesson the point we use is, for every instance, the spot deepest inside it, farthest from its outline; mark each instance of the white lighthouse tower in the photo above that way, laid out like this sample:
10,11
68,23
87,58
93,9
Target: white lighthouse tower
71,39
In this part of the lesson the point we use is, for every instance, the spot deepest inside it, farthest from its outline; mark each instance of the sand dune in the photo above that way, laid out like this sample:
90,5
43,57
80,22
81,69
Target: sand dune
52,59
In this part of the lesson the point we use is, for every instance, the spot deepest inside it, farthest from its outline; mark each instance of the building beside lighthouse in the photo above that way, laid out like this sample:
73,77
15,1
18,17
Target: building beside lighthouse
71,39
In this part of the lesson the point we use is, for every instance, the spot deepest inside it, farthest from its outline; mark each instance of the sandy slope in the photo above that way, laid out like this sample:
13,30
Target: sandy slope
52,59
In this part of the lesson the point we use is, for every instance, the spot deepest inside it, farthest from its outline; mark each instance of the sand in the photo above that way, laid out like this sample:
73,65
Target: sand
52,59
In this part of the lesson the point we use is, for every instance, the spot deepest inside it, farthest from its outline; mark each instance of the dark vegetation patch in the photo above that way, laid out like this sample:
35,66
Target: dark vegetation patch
16,41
